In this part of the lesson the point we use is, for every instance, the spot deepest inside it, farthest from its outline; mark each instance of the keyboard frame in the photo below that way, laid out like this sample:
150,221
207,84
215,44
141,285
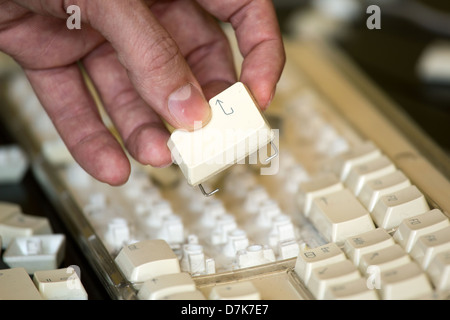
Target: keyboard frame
330,72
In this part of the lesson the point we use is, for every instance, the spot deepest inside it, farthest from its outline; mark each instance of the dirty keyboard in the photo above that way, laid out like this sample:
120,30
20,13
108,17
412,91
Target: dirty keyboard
350,208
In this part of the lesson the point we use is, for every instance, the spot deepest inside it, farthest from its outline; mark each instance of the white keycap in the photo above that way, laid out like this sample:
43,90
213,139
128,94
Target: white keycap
236,129
439,271
384,259
429,245
332,274
146,259
362,173
316,187
359,154
351,290
309,259
392,208
16,284
34,253
60,284
13,164
340,215
164,285
245,290
405,282
367,242
412,228
372,190
23,225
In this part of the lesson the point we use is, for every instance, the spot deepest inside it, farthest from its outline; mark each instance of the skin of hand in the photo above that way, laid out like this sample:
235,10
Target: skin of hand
148,60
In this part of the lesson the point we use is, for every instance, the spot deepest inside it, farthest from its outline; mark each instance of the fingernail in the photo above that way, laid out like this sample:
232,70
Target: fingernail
187,106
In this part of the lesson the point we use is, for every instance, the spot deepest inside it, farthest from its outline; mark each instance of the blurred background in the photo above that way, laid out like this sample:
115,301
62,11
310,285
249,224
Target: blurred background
409,57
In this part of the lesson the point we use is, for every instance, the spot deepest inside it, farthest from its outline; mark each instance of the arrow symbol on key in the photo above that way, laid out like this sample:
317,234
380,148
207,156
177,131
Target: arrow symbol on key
220,103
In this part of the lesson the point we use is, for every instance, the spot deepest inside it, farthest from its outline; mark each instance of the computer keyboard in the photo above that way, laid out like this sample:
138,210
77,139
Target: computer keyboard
355,206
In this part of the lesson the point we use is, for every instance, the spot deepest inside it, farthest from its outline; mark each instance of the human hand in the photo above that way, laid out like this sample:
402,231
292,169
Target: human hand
149,60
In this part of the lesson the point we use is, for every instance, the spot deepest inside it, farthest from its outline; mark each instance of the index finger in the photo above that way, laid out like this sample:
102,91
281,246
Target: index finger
260,42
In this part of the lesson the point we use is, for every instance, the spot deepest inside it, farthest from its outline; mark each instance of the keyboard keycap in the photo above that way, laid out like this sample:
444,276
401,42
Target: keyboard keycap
384,259
7,209
355,247
309,259
16,284
412,228
316,187
439,271
244,290
362,173
429,245
392,208
34,253
405,282
351,290
372,190
60,284
340,215
165,285
23,225
359,154
147,259
236,129
330,275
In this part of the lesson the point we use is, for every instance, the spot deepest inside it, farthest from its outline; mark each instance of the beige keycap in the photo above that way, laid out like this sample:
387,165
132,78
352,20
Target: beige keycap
372,190
16,284
330,275
244,290
23,225
391,209
351,290
429,245
147,259
237,129
362,173
355,247
439,271
340,215
384,259
7,209
158,287
405,282
359,154
316,187
412,228
309,259
60,284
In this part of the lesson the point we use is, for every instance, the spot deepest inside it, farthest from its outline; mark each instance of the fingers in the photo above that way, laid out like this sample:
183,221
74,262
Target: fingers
143,133
201,41
155,65
74,114
259,40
